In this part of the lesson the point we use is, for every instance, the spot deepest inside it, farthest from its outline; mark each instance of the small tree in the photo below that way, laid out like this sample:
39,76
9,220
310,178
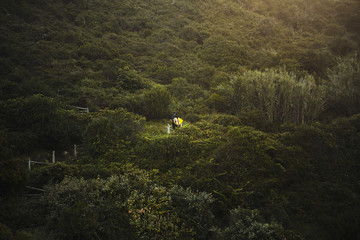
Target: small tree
344,86
281,96
156,103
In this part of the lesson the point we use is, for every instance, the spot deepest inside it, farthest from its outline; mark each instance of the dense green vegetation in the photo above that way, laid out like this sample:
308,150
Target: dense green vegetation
269,91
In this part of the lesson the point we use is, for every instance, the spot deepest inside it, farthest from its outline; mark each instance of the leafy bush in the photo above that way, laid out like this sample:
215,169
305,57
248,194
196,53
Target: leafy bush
195,211
110,132
246,224
78,209
93,95
129,79
190,34
245,166
94,51
156,103
160,213
227,120
105,208
181,89
219,102
42,119
51,174
163,152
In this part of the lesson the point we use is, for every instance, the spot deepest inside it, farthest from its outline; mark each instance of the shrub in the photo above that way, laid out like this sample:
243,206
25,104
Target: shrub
279,95
86,209
43,120
156,103
247,225
164,152
111,132
227,120
12,170
24,235
194,210
130,206
245,166
51,174
5,232
218,102
94,51
344,86
219,52
129,79
92,94
181,89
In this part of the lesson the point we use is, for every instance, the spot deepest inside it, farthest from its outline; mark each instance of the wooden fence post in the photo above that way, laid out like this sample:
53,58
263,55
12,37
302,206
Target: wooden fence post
84,109
53,157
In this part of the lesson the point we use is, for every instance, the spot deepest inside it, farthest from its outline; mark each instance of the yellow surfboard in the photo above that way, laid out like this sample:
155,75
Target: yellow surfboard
178,121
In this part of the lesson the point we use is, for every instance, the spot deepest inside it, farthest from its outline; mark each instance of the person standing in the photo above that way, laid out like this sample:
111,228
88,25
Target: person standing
173,120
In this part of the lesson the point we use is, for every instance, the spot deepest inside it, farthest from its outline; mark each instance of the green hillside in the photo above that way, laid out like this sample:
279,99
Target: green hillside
269,91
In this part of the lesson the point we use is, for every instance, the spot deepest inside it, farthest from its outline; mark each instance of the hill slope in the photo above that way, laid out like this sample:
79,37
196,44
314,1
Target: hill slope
269,92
